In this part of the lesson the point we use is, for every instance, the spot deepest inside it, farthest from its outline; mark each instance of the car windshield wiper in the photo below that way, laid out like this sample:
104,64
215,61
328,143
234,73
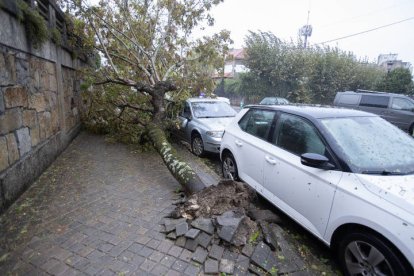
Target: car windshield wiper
383,172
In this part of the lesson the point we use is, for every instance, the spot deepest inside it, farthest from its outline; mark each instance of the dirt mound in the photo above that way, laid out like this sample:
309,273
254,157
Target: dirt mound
227,195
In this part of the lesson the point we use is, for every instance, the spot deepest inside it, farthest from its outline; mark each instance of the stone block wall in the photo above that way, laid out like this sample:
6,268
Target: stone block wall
39,107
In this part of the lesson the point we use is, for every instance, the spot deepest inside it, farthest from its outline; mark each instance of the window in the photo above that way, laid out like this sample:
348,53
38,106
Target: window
402,104
186,111
257,122
374,101
297,136
349,99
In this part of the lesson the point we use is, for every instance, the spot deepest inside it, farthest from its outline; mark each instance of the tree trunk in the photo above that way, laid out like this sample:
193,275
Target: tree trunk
179,169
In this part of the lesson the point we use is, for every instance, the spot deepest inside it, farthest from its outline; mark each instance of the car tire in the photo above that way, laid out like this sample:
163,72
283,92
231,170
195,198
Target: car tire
229,167
411,130
197,145
367,253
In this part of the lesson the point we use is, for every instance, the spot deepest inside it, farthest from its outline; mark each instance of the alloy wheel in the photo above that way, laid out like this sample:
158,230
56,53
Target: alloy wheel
229,168
197,146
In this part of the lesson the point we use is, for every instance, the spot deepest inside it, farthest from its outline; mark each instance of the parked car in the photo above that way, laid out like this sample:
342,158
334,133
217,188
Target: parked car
274,100
395,108
202,122
345,175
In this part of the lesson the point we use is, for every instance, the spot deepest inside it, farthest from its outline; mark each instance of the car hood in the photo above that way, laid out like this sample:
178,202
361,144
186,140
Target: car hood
397,189
216,123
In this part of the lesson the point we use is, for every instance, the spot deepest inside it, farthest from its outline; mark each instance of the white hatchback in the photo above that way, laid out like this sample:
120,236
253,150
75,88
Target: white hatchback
346,176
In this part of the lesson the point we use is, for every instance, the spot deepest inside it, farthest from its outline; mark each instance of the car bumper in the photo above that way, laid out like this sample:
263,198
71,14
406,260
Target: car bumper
212,144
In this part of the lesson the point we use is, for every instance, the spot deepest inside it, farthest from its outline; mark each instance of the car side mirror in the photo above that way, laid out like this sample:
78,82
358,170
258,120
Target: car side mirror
315,160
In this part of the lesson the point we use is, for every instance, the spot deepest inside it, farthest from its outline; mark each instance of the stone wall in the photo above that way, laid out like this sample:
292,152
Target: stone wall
39,107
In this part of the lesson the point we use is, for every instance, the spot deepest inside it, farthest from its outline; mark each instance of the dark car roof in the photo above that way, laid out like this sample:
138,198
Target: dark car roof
317,112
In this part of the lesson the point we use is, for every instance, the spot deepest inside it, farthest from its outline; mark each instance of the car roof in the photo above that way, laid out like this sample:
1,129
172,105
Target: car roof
205,100
317,112
376,93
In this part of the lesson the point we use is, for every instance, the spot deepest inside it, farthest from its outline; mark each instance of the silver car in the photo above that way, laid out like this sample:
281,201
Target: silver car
202,123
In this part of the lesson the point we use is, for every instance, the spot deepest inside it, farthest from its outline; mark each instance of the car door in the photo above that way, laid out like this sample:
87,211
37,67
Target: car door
377,104
401,112
184,118
249,145
303,192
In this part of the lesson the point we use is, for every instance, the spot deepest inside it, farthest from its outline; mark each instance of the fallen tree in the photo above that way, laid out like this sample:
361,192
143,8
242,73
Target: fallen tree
147,53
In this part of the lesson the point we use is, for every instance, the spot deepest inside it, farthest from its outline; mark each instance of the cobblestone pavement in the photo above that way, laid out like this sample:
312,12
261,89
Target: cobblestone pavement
96,210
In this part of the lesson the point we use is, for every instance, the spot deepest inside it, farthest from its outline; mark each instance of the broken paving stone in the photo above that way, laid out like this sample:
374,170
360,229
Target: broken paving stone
170,224
181,229
226,266
268,236
211,267
226,233
230,218
204,224
204,239
180,241
263,215
247,250
172,236
191,244
200,255
216,252
260,254
256,270
192,233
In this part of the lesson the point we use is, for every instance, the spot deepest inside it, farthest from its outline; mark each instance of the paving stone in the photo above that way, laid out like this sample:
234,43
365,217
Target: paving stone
153,243
204,224
168,261
200,255
229,218
191,244
229,255
175,251
192,233
263,215
226,266
165,246
156,256
186,255
247,250
180,241
260,254
159,270
142,239
147,265
172,236
181,229
204,239
216,252
192,270
211,266
170,224
172,273
135,247
54,267
226,233
268,236
145,252
179,265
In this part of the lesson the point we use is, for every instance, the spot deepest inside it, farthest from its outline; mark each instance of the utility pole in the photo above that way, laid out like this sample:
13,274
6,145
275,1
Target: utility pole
306,31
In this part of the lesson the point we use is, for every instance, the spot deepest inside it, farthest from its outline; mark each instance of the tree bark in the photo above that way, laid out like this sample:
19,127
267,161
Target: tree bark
181,171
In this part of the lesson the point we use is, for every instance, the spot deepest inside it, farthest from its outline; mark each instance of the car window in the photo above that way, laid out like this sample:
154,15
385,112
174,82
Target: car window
257,122
186,111
402,104
212,109
349,99
374,101
297,136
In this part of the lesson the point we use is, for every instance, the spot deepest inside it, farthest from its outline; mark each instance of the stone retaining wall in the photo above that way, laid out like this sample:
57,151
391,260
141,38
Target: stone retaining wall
39,106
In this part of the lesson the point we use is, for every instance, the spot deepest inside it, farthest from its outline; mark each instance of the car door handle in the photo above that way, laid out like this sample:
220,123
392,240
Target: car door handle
238,143
270,160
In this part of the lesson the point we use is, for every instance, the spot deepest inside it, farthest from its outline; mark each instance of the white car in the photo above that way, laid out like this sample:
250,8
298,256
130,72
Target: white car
347,176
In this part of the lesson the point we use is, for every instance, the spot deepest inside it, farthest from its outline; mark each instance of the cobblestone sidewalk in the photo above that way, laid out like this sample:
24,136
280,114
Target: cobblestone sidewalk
96,210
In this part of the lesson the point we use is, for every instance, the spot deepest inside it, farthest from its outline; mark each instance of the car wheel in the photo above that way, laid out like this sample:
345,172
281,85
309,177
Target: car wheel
411,130
197,146
366,253
229,167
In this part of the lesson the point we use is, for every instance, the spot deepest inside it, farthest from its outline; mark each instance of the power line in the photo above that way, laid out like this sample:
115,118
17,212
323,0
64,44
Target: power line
367,31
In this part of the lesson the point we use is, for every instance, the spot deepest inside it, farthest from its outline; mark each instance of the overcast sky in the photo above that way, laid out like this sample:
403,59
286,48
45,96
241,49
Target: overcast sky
330,19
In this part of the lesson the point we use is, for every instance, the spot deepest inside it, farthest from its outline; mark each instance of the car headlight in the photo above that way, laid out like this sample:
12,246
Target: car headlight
215,134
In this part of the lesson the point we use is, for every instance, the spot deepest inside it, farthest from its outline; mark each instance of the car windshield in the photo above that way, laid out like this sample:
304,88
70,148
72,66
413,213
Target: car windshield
371,145
212,109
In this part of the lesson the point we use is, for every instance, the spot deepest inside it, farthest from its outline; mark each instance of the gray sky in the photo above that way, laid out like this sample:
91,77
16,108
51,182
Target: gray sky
330,19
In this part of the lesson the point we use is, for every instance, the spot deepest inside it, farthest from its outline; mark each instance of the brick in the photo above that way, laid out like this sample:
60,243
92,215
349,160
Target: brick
12,148
15,96
4,154
23,138
10,121
29,118
38,102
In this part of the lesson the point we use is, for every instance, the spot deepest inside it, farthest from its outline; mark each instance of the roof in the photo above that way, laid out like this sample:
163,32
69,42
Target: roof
317,112
238,53
205,100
